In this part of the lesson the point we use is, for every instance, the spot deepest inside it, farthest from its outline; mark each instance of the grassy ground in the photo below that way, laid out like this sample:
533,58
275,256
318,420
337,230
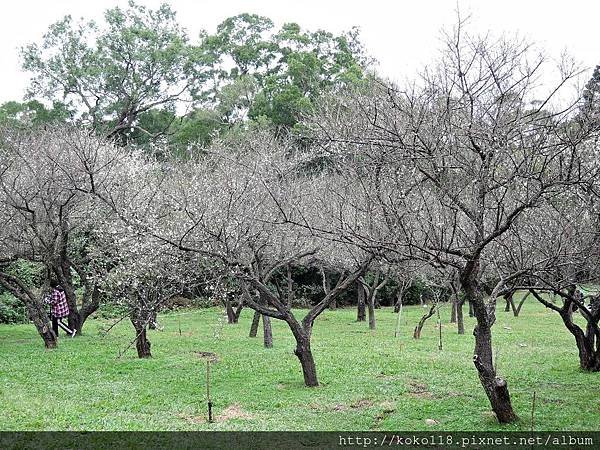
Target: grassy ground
370,380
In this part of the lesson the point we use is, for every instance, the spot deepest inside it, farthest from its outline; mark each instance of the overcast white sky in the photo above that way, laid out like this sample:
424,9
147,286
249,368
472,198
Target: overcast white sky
401,35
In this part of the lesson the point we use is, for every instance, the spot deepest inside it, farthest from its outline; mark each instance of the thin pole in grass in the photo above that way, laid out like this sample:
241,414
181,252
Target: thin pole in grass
439,321
398,320
533,413
209,402
209,357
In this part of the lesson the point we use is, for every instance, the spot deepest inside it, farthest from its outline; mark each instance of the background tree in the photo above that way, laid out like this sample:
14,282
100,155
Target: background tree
138,61
32,113
278,74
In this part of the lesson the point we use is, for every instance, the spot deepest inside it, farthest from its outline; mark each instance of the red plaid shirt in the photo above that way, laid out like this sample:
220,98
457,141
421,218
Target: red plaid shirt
58,302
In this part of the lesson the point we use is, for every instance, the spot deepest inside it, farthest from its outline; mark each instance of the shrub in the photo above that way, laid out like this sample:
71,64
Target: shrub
12,310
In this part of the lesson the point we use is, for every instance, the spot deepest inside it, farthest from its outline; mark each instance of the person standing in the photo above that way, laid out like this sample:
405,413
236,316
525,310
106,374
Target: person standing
59,309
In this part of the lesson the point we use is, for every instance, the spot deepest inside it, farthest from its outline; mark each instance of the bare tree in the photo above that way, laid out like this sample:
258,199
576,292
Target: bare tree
372,288
457,157
47,218
559,261
226,206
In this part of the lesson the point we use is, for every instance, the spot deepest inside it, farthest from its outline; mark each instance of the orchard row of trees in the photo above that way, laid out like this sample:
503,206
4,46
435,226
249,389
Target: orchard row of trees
476,176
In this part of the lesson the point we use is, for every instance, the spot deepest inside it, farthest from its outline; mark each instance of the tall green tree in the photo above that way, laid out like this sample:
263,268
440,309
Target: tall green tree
33,113
138,60
287,68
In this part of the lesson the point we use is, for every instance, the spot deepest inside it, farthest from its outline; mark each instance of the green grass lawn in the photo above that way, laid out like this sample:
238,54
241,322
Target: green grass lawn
369,380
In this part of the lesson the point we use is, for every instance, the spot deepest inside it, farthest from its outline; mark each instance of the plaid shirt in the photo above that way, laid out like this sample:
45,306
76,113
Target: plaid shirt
58,302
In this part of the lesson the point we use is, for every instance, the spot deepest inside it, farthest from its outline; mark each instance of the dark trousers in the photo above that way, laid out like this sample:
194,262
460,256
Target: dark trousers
57,322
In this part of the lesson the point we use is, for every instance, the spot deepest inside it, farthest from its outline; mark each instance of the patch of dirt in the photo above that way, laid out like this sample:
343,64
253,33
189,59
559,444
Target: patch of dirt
193,419
234,411
362,403
419,390
388,407
209,356
340,407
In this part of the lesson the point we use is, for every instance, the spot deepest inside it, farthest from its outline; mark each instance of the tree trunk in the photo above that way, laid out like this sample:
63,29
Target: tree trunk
238,311
453,311
460,321
370,292
361,315
494,386
508,298
371,309
588,342
37,314
62,271
91,294
35,307
327,287
229,310
267,332
254,326
589,360
309,369
152,319
269,304
142,344
419,327
471,312
517,309
376,303
74,319
290,287
398,302
398,317
90,304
